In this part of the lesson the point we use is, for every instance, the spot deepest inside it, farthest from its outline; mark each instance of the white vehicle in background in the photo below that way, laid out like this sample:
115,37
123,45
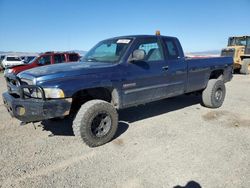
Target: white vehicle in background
10,61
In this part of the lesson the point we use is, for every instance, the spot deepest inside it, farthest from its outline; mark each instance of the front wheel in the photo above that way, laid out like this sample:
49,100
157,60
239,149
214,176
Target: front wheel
214,94
96,122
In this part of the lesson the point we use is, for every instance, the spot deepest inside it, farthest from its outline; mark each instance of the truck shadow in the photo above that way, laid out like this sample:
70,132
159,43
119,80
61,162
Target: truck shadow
64,127
157,108
190,184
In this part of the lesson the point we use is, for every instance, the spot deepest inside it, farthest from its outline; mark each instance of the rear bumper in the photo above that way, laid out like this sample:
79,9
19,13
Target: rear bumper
32,110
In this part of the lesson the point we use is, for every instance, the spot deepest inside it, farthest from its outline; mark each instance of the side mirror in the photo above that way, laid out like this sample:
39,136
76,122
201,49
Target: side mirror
138,55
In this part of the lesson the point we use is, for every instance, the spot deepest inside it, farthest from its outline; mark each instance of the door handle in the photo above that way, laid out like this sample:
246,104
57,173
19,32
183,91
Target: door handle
165,68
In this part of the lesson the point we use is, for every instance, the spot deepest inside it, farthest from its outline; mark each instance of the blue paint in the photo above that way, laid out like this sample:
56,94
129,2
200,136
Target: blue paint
136,82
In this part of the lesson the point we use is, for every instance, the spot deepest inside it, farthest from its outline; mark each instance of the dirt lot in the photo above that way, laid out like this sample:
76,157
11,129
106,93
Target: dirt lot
163,144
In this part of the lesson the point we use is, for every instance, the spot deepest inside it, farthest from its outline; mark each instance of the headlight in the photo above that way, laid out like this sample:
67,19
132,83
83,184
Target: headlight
50,93
54,93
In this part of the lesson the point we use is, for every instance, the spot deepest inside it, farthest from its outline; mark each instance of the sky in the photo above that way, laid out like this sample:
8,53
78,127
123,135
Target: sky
44,25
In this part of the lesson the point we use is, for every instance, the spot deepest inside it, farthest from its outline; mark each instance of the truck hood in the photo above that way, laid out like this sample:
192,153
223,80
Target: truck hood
64,70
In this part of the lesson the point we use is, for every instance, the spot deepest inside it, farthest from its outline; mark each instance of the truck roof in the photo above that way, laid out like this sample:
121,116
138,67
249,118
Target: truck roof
240,36
58,52
142,36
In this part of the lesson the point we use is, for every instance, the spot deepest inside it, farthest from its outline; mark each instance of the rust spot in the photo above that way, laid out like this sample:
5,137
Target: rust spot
226,118
214,115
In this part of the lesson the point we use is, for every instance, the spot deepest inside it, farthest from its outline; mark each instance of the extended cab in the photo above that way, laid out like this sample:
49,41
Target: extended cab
46,58
117,73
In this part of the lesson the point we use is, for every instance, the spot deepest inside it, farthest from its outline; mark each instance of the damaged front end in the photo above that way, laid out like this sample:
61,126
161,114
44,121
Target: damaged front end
31,103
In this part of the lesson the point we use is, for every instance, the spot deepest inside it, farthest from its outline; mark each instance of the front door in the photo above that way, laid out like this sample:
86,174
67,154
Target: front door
146,80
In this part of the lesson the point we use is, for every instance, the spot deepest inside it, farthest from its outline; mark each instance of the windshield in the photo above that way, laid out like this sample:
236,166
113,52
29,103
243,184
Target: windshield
108,51
32,60
239,41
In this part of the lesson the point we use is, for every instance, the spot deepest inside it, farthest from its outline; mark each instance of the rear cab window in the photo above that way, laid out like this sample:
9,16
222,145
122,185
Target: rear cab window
172,50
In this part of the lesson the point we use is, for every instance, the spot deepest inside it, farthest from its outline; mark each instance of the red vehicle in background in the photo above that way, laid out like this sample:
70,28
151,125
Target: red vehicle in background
47,58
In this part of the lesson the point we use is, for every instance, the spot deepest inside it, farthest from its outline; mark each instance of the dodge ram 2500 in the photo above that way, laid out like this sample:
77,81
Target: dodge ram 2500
117,73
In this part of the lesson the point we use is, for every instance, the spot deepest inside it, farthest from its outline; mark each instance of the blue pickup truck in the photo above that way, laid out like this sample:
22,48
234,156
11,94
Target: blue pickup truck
117,73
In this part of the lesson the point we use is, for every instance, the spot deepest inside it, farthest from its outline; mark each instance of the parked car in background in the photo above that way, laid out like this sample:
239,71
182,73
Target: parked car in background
28,59
11,61
46,58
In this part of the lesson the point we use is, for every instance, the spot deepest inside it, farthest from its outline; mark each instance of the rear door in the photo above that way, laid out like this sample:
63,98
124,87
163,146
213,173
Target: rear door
146,80
177,66
59,58
73,57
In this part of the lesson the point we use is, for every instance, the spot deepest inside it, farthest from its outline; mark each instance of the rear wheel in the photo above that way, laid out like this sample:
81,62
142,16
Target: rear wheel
96,122
245,67
214,94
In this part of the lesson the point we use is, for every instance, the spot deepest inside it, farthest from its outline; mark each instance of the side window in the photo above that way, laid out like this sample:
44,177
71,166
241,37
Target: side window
59,58
248,42
171,49
73,57
152,49
45,60
13,59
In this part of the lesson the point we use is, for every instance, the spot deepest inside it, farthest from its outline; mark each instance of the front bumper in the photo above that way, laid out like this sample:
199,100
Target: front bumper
32,110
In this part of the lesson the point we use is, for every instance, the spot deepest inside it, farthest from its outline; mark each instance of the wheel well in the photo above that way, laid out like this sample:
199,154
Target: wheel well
93,93
107,94
216,74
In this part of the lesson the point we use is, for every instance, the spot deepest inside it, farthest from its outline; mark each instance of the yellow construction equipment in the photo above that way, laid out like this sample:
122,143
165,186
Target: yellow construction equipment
239,48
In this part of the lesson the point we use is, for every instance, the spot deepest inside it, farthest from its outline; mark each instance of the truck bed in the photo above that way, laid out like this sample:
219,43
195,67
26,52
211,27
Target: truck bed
199,70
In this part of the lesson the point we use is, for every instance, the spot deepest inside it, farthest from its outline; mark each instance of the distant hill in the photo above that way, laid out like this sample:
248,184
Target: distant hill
19,53
204,53
81,52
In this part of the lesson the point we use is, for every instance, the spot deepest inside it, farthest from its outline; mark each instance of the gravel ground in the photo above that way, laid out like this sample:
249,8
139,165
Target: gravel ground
169,143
